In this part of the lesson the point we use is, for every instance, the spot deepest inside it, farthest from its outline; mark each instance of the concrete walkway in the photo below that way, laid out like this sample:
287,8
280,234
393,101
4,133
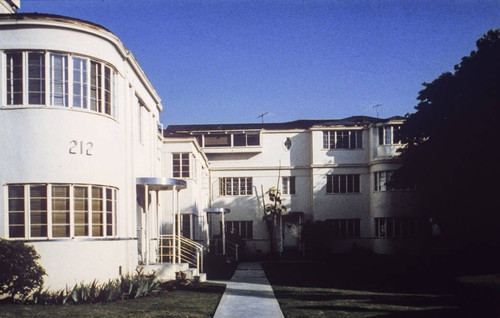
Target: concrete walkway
248,295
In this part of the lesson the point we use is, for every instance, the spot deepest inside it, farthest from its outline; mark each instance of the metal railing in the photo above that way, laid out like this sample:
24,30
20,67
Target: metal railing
179,249
232,248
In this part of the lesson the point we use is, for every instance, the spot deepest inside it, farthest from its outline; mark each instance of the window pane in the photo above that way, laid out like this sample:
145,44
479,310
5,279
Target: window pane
325,140
79,82
36,78
59,80
14,76
292,185
343,183
107,90
249,186
60,211
38,210
185,165
81,211
95,86
253,139
388,135
239,140
217,140
97,211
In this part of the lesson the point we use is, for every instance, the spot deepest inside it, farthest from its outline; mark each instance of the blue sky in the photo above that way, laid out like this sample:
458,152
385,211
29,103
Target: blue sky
229,61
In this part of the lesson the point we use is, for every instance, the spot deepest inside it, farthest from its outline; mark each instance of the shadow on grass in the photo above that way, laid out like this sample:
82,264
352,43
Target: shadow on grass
362,286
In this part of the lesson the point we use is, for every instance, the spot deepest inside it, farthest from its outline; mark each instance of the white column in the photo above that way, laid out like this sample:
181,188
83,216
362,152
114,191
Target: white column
179,224
223,235
174,241
146,225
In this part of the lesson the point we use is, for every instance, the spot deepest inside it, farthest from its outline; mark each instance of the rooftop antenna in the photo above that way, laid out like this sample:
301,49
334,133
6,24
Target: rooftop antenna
376,108
262,116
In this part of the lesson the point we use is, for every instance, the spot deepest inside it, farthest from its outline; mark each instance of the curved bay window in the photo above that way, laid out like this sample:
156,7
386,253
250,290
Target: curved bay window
59,79
61,211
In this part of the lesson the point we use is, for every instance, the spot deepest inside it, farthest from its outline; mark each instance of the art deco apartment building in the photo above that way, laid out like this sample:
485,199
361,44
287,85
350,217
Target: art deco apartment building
80,142
327,170
90,179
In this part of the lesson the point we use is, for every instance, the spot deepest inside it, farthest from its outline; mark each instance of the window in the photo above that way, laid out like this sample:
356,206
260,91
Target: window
243,229
389,134
246,139
343,139
342,183
217,140
186,222
288,185
382,182
230,140
345,228
71,80
180,165
67,215
235,186
398,227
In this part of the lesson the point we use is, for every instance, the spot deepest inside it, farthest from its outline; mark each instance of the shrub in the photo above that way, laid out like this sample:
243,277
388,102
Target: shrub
20,272
126,287
180,281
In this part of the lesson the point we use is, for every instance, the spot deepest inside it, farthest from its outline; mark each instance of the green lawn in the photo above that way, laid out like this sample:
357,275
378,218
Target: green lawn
360,287
199,300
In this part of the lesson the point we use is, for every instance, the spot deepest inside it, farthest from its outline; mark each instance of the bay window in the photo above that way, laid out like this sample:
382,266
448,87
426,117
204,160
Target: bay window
73,81
61,211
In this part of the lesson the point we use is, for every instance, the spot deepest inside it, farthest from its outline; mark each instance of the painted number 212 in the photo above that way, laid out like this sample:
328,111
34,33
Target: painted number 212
80,147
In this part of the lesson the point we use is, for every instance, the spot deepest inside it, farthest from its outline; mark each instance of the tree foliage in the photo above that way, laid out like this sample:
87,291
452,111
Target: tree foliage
272,212
20,272
451,153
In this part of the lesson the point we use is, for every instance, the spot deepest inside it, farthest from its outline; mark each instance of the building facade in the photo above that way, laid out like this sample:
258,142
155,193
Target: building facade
89,177
336,171
79,124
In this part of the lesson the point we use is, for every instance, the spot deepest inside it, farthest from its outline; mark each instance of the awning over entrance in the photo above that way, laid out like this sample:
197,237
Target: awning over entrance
151,225
222,211
162,184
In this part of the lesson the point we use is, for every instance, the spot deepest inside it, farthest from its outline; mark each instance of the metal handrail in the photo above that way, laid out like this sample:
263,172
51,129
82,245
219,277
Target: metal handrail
188,251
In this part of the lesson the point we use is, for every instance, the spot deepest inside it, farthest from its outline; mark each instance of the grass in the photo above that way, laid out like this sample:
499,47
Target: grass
361,286
199,300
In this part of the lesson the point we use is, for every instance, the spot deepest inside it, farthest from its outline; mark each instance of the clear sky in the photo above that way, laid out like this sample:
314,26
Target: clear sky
229,61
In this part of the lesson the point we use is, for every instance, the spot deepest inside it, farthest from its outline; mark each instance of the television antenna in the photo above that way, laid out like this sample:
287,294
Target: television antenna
262,116
376,108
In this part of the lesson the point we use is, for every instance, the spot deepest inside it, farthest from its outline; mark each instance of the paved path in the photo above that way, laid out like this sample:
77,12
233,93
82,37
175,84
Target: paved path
248,295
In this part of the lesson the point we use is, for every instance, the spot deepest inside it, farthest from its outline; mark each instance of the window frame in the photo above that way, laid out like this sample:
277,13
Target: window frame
183,166
389,134
227,186
243,229
400,227
20,93
345,139
348,228
343,184
288,185
108,213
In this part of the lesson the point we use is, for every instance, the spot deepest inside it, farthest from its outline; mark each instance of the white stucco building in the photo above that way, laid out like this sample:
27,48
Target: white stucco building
327,170
80,132
91,180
